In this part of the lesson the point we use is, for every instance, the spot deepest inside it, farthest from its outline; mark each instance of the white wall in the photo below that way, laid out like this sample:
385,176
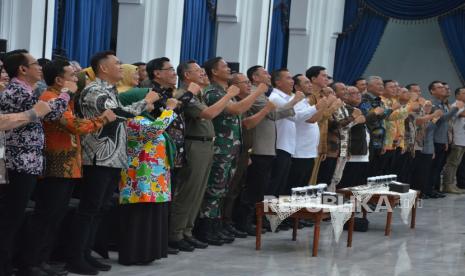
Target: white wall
413,53
149,29
313,29
22,24
242,31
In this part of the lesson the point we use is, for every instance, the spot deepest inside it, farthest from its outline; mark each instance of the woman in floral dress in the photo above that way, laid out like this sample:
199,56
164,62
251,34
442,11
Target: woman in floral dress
145,187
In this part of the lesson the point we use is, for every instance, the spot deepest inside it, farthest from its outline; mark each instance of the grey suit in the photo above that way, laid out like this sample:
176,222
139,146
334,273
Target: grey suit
263,154
264,135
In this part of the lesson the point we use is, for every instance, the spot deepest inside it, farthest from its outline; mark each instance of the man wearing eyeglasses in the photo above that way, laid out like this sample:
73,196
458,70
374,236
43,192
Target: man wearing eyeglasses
23,147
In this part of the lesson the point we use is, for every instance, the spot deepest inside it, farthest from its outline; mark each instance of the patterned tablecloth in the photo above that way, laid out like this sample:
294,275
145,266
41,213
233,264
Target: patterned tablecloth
340,214
407,200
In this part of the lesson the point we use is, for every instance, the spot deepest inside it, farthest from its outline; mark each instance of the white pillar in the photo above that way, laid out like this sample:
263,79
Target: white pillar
313,30
242,31
149,29
22,24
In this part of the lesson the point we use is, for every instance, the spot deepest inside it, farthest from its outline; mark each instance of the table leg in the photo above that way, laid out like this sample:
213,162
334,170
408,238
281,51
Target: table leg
294,229
387,231
414,213
258,228
351,230
316,235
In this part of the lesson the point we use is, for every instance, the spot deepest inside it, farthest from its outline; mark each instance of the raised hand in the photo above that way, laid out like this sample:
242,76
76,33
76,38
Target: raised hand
378,110
171,103
109,115
232,91
152,97
299,95
261,88
194,88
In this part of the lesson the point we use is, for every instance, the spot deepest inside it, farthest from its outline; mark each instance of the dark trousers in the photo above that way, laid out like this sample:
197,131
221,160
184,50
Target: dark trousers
280,173
97,189
438,163
300,173
13,203
421,173
404,163
258,177
354,175
52,197
461,174
326,172
375,166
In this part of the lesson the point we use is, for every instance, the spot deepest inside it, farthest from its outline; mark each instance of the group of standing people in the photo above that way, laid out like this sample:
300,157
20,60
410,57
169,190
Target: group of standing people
188,163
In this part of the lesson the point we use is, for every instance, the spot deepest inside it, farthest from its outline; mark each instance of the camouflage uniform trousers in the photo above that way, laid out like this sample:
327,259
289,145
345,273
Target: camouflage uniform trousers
223,168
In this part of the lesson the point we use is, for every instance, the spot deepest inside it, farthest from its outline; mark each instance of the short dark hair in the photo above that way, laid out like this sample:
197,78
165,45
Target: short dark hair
183,67
251,71
296,80
43,61
98,57
210,65
357,80
409,86
387,81
313,72
155,64
54,69
276,75
457,91
13,61
139,63
431,85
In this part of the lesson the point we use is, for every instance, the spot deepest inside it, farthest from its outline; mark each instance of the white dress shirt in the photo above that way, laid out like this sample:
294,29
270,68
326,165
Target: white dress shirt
286,128
307,135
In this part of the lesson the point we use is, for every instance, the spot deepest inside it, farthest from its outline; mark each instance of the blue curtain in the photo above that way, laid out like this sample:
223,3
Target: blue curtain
356,47
86,29
453,31
198,30
413,9
279,38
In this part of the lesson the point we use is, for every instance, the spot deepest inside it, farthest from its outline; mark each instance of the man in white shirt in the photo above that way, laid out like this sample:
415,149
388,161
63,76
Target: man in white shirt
307,138
286,129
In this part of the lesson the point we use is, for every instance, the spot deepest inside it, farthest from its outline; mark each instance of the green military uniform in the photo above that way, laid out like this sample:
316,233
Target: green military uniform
226,149
194,174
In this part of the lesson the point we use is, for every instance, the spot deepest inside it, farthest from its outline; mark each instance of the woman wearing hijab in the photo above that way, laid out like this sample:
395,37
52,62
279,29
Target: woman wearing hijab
130,78
145,187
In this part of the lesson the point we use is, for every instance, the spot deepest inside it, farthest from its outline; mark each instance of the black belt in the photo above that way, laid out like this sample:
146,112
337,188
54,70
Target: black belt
199,138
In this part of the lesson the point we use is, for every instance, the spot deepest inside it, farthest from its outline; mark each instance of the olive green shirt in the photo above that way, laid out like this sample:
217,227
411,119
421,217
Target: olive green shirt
196,126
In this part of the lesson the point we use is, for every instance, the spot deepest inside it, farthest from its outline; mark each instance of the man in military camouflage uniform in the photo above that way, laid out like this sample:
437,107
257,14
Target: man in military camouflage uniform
226,148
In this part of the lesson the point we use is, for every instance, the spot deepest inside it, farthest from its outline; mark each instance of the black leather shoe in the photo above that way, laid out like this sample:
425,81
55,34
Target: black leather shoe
195,242
182,245
437,195
204,233
225,236
234,231
81,267
98,265
425,196
249,229
172,251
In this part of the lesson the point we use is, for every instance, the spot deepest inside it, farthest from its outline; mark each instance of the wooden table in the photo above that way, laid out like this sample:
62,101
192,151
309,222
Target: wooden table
393,200
316,216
